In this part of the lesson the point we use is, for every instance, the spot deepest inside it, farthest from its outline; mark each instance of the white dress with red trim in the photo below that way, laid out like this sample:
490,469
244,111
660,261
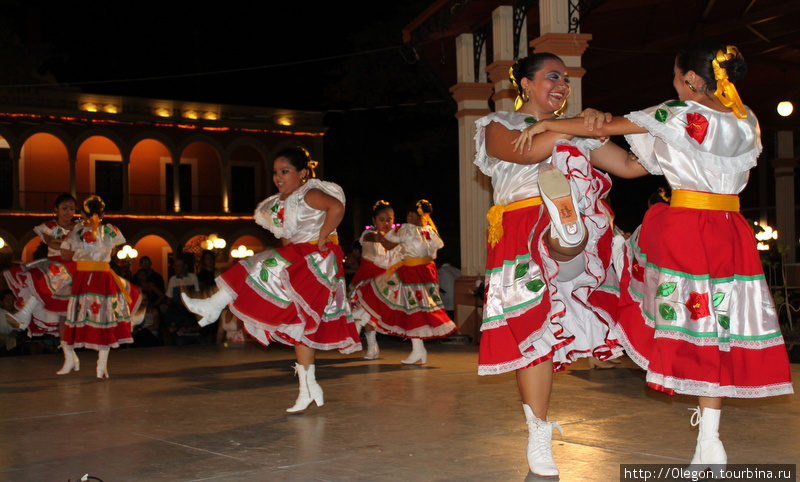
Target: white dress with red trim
101,303
48,279
406,302
294,294
375,260
529,316
696,311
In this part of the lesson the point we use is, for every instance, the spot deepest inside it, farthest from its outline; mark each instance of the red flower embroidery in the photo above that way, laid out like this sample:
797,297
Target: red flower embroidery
88,236
698,126
418,294
637,271
427,235
95,307
54,270
280,215
698,305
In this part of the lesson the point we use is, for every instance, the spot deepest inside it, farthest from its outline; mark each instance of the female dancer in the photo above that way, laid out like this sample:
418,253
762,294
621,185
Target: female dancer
550,294
101,304
42,287
405,301
696,311
293,294
375,260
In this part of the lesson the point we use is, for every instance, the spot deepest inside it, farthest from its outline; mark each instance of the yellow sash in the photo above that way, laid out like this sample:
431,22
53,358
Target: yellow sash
333,238
495,216
682,198
410,262
104,266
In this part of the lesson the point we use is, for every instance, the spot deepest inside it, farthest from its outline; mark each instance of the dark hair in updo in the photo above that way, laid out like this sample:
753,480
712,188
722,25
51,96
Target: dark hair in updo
297,157
62,198
379,207
422,205
528,66
94,205
697,56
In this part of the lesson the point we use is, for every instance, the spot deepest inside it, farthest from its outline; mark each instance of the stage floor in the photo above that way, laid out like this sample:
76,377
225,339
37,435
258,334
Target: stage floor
218,414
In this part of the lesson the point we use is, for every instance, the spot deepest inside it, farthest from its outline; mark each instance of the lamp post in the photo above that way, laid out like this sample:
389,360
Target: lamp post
126,255
214,243
241,252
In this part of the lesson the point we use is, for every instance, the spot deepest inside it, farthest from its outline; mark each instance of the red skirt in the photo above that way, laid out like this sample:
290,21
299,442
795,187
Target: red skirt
529,316
99,311
696,311
50,281
293,294
407,303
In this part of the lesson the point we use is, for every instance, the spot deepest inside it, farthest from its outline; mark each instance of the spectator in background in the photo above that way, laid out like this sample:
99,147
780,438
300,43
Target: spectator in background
145,265
448,274
180,324
10,336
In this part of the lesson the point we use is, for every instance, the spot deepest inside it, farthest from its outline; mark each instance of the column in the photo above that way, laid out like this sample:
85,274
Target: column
784,167
554,25
16,169
176,186
126,188
472,98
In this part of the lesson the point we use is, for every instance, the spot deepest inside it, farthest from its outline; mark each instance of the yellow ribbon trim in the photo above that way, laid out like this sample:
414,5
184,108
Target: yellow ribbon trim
704,200
334,238
495,216
726,92
104,266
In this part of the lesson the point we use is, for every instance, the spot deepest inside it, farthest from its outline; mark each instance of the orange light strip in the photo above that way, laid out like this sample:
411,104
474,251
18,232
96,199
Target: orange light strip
192,217
179,126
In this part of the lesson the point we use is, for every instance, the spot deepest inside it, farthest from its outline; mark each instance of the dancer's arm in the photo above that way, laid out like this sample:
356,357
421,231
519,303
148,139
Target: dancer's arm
616,160
574,127
334,213
501,142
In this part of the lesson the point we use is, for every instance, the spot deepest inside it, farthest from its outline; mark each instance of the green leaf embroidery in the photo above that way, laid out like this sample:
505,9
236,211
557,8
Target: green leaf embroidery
675,103
271,262
275,208
391,283
412,301
667,312
386,291
520,270
436,298
717,299
666,289
264,275
724,321
534,285
661,115
530,120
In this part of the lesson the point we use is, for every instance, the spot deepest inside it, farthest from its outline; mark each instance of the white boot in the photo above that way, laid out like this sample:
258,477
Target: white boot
310,391
418,353
71,361
23,316
540,444
561,203
208,308
102,362
709,450
372,345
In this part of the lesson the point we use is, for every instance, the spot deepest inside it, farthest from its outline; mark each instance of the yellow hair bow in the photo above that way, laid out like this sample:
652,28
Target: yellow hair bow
726,92
311,165
519,100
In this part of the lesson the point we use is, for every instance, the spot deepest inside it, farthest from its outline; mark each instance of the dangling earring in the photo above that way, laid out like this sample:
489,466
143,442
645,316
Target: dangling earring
689,84
524,96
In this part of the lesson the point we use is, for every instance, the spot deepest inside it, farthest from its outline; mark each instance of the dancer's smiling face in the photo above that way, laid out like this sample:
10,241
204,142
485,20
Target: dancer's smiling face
549,87
384,220
286,177
65,212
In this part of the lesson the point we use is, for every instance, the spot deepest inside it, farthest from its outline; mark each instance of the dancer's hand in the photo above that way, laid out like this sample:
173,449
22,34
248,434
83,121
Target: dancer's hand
322,244
525,139
593,118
